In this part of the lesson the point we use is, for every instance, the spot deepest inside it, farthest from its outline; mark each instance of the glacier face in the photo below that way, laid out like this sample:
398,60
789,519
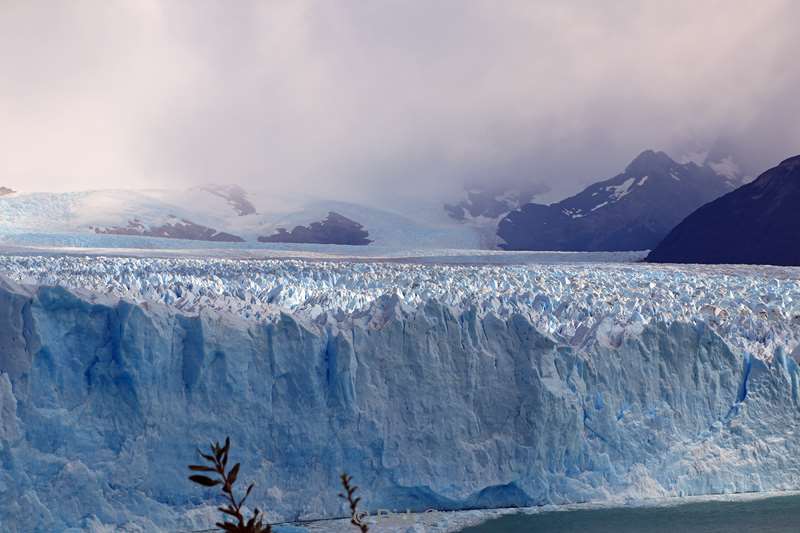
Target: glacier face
434,386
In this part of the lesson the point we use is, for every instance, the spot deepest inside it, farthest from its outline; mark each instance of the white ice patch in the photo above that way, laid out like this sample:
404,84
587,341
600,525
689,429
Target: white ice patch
574,213
620,191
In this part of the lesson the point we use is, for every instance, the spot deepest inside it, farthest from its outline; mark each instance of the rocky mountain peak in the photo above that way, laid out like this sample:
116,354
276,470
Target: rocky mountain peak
649,161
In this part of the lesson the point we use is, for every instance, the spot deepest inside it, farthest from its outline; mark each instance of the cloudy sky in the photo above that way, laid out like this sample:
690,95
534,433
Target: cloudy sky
346,96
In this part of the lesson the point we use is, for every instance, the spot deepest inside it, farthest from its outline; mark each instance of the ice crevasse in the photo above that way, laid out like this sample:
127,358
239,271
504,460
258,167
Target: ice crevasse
103,400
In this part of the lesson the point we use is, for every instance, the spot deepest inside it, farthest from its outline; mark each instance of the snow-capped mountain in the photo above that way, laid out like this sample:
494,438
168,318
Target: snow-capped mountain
757,223
631,211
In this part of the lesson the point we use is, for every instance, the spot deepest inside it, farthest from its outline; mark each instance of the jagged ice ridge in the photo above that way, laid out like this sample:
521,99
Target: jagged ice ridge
756,309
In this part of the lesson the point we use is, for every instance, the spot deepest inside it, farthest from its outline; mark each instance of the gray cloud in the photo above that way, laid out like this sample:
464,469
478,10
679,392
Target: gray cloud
349,97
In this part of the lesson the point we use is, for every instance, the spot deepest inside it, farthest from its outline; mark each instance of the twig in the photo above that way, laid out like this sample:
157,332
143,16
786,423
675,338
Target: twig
356,518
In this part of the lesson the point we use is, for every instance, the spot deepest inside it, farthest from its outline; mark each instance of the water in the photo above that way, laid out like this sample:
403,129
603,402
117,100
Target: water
771,515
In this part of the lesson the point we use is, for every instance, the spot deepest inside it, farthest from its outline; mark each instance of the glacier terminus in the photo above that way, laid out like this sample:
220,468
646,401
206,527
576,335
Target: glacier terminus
435,386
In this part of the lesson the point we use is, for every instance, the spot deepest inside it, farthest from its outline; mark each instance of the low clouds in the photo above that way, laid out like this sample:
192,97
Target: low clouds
347,98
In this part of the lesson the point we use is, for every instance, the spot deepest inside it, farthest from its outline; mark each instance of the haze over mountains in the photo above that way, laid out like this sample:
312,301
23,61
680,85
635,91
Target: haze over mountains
631,211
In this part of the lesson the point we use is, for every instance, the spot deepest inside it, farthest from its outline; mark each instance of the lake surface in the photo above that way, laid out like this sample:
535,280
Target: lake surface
779,514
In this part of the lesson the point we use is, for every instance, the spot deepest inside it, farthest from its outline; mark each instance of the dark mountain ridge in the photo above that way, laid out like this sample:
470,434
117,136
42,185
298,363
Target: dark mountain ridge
758,223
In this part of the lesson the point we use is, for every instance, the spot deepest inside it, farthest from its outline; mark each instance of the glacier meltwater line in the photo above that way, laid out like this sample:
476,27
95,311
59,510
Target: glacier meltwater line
434,387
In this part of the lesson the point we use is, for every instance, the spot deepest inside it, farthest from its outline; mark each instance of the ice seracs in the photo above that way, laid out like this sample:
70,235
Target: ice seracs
756,309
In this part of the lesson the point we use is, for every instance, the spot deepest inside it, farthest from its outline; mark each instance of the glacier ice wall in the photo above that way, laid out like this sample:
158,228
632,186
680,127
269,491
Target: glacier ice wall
103,400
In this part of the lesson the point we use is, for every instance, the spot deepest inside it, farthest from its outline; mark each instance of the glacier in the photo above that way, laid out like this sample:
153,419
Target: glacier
435,386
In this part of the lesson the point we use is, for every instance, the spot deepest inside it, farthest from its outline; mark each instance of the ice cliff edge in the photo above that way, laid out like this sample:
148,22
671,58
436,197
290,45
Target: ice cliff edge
103,401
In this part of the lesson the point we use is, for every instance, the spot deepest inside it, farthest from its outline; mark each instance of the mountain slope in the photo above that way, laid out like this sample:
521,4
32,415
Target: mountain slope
334,229
757,223
172,228
631,211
